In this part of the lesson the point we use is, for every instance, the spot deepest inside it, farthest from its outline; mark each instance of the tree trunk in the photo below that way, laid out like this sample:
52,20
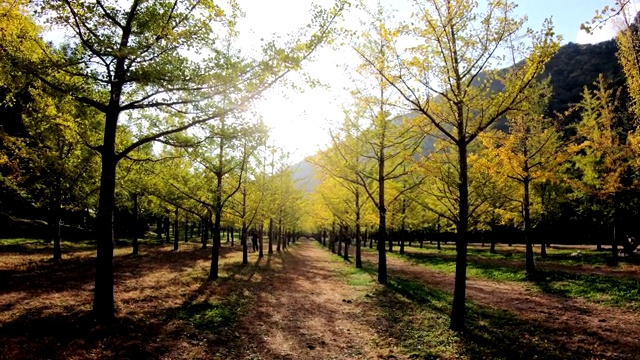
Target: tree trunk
135,224
167,226
270,250
458,308
332,238
176,231
492,249
347,239
243,240
204,238
55,219
529,264
159,228
215,247
382,226
358,241
260,239
103,300
339,239
186,227
279,235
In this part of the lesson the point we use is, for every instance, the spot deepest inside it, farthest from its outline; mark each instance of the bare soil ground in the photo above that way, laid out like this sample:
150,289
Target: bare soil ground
296,304
289,305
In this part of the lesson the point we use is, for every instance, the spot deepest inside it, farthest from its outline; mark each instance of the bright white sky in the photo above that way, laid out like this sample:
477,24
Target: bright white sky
299,121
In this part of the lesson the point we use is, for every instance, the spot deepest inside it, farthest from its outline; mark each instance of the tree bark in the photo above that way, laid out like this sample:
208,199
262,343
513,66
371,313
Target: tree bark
459,290
135,224
358,241
55,219
243,240
176,231
215,247
529,264
103,300
270,249
186,227
261,240
279,235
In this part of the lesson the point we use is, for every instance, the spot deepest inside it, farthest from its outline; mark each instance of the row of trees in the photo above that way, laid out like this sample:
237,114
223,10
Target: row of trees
422,145
153,96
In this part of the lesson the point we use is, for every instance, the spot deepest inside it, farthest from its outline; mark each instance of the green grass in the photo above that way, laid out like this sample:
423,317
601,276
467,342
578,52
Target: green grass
554,255
208,316
357,277
608,290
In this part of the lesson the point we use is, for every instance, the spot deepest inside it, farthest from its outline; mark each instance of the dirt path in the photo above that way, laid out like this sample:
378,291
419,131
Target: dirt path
306,311
578,324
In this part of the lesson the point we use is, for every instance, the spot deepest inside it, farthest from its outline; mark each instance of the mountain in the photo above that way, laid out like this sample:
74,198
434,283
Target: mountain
578,65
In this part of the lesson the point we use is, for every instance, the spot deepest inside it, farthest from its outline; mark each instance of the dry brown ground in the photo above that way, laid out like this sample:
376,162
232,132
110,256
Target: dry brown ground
602,331
293,305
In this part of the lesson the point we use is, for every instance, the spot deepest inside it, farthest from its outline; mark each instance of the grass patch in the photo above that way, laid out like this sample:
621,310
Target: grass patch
608,290
208,316
357,277
478,269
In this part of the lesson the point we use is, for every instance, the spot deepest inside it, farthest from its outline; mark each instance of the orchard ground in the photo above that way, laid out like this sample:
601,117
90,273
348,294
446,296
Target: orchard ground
306,303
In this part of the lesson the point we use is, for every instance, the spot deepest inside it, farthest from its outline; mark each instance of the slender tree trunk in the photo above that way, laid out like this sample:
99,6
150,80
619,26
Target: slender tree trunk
55,219
215,248
614,240
103,300
159,228
492,249
339,239
458,308
167,226
382,226
243,236
135,224
347,240
358,241
279,235
176,231
186,227
332,238
270,249
261,240
204,238
243,240
529,264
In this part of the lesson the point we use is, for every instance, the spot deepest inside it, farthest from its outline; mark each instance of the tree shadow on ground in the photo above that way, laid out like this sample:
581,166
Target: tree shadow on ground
418,316
44,277
77,335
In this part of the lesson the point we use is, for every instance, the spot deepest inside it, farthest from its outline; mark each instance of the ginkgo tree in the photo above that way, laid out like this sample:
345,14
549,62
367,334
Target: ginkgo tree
603,151
447,67
527,153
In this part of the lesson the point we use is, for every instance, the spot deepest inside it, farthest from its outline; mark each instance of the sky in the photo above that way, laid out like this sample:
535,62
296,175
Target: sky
299,121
